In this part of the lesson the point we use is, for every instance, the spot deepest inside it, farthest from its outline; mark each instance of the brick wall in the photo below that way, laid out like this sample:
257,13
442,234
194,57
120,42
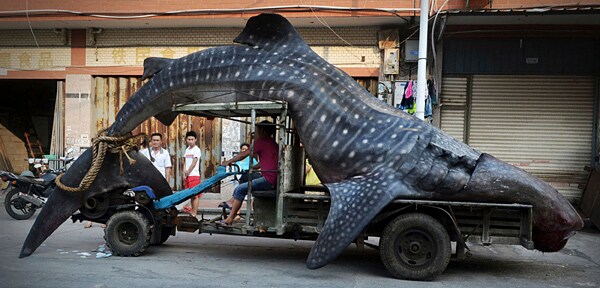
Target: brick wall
18,50
15,149
129,47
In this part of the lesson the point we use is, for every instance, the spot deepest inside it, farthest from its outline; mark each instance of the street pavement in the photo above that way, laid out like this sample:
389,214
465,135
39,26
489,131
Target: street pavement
192,260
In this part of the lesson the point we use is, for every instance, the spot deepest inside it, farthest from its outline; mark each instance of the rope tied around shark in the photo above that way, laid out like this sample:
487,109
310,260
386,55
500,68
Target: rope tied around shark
101,144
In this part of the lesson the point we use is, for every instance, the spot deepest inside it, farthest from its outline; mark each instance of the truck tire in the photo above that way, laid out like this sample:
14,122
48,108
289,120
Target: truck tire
415,246
16,207
128,233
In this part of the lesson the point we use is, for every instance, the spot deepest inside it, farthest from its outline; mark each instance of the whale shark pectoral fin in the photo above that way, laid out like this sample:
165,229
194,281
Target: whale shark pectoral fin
153,65
354,203
166,117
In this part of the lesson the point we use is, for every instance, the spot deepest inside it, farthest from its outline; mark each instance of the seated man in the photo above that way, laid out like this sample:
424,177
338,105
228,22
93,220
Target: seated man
268,155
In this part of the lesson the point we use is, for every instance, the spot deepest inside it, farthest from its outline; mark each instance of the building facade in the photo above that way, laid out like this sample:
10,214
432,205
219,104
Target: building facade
68,66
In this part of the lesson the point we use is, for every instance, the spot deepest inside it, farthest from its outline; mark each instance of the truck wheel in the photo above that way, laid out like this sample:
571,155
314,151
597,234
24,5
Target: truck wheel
415,246
16,207
128,233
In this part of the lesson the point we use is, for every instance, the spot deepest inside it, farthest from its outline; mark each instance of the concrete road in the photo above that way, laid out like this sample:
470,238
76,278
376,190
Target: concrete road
192,260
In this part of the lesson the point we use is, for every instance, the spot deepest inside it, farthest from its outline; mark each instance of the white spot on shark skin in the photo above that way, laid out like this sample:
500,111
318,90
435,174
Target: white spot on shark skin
365,141
296,72
333,101
314,134
372,130
343,91
335,143
351,154
243,60
379,145
171,84
237,74
303,80
222,61
315,74
323,118
260,72
281,73
219,75
207,76
337,119
356,116
310,102
290,93
247,49
155,90
291,64
184,80
379,122
268,61
322,89
345,131
394,136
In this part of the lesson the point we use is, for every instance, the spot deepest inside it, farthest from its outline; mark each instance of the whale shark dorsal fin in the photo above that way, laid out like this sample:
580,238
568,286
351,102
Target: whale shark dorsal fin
270,32
354,203
153,65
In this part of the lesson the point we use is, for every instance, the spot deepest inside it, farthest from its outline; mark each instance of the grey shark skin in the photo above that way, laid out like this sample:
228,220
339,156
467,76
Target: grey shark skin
366,152
62,204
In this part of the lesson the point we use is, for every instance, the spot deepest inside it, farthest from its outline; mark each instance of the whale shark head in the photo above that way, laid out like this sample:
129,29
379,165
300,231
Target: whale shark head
554,218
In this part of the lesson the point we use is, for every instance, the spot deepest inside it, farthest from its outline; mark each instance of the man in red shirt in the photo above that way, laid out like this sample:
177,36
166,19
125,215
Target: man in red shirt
268,155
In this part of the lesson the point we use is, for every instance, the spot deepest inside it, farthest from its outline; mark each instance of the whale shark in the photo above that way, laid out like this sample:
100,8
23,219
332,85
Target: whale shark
366,152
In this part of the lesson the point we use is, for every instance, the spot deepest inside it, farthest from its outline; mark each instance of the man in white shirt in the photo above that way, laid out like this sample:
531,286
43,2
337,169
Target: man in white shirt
191,173
159,156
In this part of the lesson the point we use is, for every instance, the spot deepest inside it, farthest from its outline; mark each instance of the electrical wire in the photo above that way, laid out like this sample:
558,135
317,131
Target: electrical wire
29,22
292,8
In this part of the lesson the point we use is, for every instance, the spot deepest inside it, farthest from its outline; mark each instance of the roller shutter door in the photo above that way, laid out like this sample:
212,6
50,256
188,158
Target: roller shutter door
542,124
453,98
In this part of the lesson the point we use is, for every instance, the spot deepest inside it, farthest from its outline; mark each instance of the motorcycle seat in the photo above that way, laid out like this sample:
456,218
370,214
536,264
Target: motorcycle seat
36,181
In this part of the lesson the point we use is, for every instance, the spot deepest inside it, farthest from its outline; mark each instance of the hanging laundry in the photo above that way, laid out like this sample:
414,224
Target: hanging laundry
432,91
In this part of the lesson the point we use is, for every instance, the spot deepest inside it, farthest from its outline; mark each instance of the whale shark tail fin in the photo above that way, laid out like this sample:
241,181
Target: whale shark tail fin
271,32
354,202
153,65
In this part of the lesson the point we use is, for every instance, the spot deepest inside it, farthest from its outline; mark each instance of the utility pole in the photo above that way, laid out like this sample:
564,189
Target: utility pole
422,64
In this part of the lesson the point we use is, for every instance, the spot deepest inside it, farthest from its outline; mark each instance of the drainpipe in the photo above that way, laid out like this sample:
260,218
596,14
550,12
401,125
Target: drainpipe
422,68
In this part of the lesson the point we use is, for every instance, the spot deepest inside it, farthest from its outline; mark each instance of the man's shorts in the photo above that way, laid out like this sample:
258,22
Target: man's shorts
192,181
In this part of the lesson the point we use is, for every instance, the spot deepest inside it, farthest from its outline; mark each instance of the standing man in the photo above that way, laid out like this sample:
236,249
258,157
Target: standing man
191,173
159,156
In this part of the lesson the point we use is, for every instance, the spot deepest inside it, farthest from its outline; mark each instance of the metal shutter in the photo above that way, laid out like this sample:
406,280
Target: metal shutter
453,97
542,124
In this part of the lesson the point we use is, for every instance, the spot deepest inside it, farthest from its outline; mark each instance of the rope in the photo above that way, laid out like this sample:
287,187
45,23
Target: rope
100,145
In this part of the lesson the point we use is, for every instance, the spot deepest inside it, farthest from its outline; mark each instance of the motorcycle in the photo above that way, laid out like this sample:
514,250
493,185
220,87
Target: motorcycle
27,193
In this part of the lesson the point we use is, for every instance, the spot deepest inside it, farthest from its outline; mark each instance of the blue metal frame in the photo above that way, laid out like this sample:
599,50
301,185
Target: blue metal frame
183,195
